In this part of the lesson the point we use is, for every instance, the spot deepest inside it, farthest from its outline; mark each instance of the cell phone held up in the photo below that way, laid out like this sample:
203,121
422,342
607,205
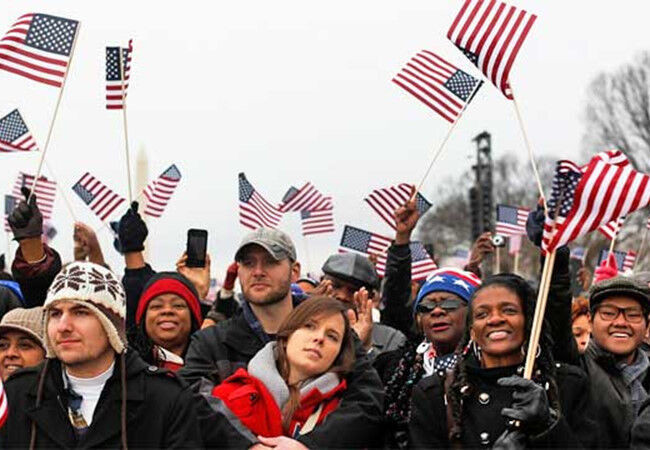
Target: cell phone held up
197,245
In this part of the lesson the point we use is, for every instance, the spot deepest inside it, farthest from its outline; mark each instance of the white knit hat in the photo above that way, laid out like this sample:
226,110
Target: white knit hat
96,288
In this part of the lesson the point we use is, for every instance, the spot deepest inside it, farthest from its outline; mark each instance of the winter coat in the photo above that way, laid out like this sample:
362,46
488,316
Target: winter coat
384,339
160,410
396,291
35,278
256,397
216,352
482,422
641,428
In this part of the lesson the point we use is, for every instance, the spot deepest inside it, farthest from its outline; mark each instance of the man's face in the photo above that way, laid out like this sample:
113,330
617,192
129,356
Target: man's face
18,350
442,327
343,290
263,279
76,334
619,335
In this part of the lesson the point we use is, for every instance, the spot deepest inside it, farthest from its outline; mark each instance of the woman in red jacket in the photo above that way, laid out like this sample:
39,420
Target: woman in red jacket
292,384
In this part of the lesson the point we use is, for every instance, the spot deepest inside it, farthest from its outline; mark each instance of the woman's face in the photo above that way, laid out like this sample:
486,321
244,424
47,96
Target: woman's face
313,348
18,350
581,329
168,321
498,325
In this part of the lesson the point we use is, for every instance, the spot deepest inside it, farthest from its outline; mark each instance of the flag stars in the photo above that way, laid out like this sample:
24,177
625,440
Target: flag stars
51,34
462,284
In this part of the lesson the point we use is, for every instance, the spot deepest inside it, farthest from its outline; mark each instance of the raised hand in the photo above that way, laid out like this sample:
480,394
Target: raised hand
26,221
199,276
363,323
406,218
132,231
482,247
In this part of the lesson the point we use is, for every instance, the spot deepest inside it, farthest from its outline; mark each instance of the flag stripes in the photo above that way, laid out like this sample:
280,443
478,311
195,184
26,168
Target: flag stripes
160,191
511,220
386,200
4,405
101,200
14,134
254,210
115,74
45,192
317,222
307,198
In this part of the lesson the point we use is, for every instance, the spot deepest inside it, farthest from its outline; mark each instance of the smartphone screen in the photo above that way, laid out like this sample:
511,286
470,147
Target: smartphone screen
197,244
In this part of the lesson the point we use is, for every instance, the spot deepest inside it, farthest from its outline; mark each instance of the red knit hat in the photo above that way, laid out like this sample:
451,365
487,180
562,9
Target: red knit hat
169,283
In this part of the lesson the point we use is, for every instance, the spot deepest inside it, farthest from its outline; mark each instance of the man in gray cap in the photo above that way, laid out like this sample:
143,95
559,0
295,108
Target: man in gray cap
267,267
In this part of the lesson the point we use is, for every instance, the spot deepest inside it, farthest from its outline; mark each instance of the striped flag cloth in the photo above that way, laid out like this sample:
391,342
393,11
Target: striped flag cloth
307,198
317,222
628,262
160,191
514,244
10,204
624,260
254,210
4,405
39,47
511,220
14,134
490,33
578,253
616,158
386,200
101,200
647,224
438,84
116,57
421,263
587,199
45,192
611,229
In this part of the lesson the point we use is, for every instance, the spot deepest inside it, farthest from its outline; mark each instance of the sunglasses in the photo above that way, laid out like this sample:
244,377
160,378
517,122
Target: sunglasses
447,305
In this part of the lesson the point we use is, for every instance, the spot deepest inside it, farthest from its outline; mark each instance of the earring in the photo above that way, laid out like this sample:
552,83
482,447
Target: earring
524,346
476,350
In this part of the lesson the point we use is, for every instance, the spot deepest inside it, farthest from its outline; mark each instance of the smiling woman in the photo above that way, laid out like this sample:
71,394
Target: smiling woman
21,340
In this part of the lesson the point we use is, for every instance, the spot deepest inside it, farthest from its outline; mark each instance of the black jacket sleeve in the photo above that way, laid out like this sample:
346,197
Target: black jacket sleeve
428,424
182,426
397,290
35,278
134,281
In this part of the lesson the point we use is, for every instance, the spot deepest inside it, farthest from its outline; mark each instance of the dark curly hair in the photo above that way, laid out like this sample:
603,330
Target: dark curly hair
544,372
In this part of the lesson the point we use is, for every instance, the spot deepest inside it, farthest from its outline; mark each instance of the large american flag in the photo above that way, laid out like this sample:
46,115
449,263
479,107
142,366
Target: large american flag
39,47
160,190
624,260
4,405
317,222
45,192
591,198
14,134
386,200
254,210
307,198
10,204
490,33
616,158
438,84
115,74
368,243
101,200
511,220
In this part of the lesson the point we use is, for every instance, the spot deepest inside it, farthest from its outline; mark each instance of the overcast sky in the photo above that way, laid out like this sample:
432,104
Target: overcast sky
294,91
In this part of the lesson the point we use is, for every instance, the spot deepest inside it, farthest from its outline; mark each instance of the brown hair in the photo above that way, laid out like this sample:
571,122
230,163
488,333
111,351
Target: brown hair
299,317
579,307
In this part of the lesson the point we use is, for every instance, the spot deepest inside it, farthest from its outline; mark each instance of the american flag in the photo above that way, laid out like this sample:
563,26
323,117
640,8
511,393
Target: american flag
254,210
114,74
613,157
438,84
491,33
624,260
386,200
514,244
14,134
160,190
611,229
317,222
511,220
101,200
39,47
578,253
10,204
4,405
603,192
421,263
307,198
45,192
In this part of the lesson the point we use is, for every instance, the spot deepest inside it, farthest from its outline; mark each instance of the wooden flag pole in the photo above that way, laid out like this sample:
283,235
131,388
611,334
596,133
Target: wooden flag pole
304,238
56,110
613,243
638,255
515,268
126,130
497,260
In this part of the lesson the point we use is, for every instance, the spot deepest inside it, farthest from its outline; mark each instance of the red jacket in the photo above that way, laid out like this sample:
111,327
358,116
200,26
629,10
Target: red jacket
250,400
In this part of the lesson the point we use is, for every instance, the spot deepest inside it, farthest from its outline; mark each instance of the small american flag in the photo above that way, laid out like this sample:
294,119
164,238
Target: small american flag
317,222
115,74
307,198
39,47
628,262
511,220
386,200
514,244
4,405
611,229
45,192
10,204
491,33
624,260
160,190
101,200
14,134
254,210
578,253
438,84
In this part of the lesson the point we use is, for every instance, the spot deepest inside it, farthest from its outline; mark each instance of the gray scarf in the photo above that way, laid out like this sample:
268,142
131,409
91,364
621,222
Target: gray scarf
633,375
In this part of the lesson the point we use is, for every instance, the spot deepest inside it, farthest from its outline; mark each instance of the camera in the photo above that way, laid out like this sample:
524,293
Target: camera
498,240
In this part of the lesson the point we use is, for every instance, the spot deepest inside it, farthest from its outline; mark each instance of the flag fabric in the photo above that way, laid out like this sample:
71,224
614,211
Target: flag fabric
438,84
39,47
628,262
578,253
624,260
511,220
100,199
160,191
514,244
386,200
14,134
458,258
587,199
45,192
421,263
613,157
611,229
317,222
647,224
117,78
4,405
490,33
10,204
254,210
307,198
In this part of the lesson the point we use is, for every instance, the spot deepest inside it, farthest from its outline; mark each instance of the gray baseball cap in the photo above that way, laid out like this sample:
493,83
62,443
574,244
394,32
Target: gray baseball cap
276,242
353,268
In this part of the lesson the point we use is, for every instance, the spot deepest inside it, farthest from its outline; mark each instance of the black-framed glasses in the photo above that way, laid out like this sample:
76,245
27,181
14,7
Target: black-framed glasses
609,313
447,305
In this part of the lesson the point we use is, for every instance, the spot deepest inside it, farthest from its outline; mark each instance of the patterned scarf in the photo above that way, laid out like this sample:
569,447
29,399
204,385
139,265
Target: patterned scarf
633,375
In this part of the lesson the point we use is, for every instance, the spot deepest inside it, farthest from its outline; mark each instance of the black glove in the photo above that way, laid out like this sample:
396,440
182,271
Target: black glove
510,440
26,221
2,262
529,407
132,231
535,225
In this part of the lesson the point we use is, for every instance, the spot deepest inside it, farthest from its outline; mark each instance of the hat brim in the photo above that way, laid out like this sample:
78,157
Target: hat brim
632,293
33,336
265,245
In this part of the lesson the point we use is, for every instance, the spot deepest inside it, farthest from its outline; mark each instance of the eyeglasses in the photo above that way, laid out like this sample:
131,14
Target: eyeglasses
608,313
448,305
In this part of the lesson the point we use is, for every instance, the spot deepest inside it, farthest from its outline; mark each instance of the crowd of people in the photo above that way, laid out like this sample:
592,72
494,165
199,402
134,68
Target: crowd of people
349,361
